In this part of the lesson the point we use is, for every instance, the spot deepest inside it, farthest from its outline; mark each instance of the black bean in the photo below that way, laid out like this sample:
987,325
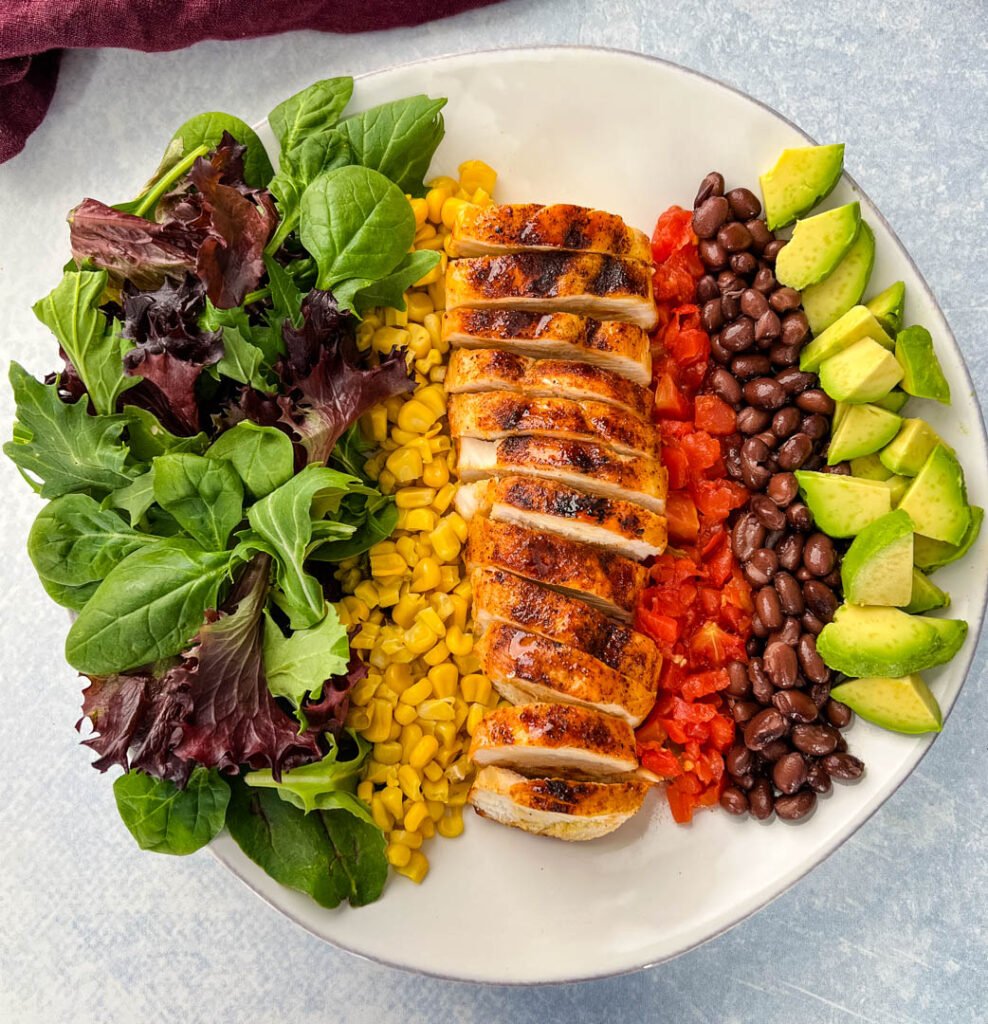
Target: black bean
717,350
764,280
738,760
767,326
761,686
765,393
790,551
785,421
747,366
792,808
734,237
733,800
837,714
795,381
744,203
785,299
832,580
773,249
753,303
711,316
763,728
813,666
760,234
771,752
744,263
710,215
799,517
815,426
712,185
739,685
712,254
728,281
789,773
751,420
730,303
758,628
724,385
738,335
781,665
795,328
795,705
843,766
744,710
818,740
816,400
782,354
817,778
795,451
789,633
768,439
819,554
769,609
767,512
746,537
761,567
790,594
755,449
761,799
706,288
820,600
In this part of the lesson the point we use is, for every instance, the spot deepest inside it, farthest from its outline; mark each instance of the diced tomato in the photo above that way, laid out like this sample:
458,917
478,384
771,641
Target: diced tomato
662,762
681,517
677,465
702,450
716,499
670,401
722,732
673,280
713,647
714,415
674,230
689,347
663,629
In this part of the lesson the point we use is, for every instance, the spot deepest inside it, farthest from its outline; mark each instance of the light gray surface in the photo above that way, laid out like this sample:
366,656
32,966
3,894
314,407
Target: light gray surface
892,928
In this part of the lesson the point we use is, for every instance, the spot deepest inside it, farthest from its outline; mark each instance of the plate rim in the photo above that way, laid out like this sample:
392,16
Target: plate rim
828,849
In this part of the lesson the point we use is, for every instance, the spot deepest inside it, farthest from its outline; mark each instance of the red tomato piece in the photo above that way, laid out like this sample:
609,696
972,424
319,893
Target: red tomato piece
670,401
674,230
714,415
677,465
681,517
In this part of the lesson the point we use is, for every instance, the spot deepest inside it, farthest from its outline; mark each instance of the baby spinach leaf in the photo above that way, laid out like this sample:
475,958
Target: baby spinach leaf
299,664
207,130
263,457
74,542
284,520
135,499
204,495
148,438
90,340
73,598
247,346
286,296
355,223
331,856
166,819
398,139
361,294
310,111
243,361
147,608
59,444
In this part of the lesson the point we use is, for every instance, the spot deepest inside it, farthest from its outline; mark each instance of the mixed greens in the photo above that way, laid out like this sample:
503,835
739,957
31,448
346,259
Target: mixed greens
202,468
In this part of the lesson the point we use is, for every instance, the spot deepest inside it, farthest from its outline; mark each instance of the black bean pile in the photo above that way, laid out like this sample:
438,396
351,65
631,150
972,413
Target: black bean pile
789,746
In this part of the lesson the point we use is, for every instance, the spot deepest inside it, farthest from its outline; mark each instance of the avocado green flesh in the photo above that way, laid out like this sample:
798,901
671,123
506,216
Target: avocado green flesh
857,323
937,499
926,595
900,705
931,555
893,401
887,642
798,181
841,505
869,467
878,566
863,430
888,306
922,373
897,485
827,301
817,245
910,448
864,372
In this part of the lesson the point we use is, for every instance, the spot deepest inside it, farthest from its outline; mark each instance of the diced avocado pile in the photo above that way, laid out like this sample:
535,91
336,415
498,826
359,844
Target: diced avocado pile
905,505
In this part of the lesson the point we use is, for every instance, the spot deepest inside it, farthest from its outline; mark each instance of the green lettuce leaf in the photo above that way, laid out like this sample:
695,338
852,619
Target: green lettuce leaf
205,496
299,664
264,457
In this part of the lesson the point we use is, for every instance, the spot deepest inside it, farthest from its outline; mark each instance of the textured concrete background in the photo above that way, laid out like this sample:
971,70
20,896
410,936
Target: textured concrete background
892,928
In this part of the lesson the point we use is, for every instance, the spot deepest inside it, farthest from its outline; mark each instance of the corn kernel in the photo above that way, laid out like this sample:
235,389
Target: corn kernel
405,463
405,714
398,855
417,417
449,577
476,688
444,497
460,769
435,475
458,794
450,825
378,419
450,209
419,307
388,565
391,798
437,654
386,481
435,808
435,198
417,693
445,542
431,620
417,867
474,717
433,396
446,733
396,317
476,174
421,520
415,497
358,719
423,234
421,209
365,791
433,771
407,608
436,711
380,814
426,575
415,815
423,752
388,593
388,752
380,728
398,677
365,592
413,840
410,735
458,642
438,790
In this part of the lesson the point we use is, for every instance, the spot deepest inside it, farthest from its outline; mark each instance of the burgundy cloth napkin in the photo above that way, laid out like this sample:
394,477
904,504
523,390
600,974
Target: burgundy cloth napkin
33,32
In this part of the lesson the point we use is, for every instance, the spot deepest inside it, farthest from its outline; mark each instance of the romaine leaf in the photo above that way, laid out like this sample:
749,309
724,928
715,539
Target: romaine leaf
166,819
331,856
147,608
74,542
361,294
313,110
398,139
299,664
355,223
264,457
204,495
88,338
61,445
207,129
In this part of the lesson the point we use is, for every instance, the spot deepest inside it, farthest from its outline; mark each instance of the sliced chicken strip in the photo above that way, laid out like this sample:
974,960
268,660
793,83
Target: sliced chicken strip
502,597
584,465
608,344
620,526
517,227
495,415
604,287
525,668
559,808
609,582
551,738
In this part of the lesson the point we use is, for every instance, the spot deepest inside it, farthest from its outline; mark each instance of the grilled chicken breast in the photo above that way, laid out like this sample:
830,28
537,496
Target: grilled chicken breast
517,227
609,582
525,668
555,807
495,415
620,526
585,465
604,287
552,738
618,347
502,597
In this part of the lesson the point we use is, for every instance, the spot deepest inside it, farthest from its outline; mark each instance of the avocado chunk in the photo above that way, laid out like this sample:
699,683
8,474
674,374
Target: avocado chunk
926,595
897,485
910,448
825,302
842,505
869,467
855,324
937,498
922,373
817,245
863,429
888,307
864,372
899,705
798,181
878,566
893,401
931,555
887,642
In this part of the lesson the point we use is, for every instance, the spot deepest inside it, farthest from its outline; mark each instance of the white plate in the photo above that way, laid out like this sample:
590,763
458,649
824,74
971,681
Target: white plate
630,134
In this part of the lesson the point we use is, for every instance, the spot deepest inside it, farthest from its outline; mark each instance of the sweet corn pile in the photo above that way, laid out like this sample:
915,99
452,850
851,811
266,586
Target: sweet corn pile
407,602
